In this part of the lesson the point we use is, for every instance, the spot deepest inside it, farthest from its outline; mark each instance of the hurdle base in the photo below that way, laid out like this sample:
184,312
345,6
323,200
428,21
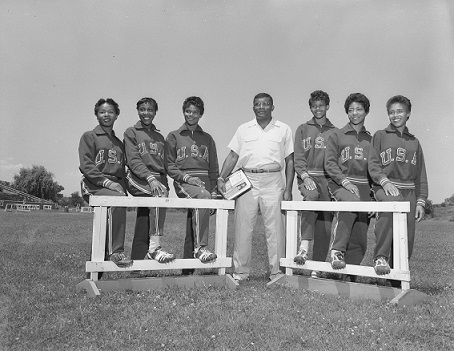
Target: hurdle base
280,279
95,288
90,287
394,296
409,298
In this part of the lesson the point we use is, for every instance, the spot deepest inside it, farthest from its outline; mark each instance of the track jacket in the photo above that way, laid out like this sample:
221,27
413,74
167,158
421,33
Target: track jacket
101,157
145,151
347,158
192,153
310,145
402,160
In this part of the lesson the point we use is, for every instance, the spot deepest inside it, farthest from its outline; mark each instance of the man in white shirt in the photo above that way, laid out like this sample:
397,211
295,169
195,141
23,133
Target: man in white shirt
263,149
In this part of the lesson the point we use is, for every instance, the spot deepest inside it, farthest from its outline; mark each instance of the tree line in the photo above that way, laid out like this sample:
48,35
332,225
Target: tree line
39,182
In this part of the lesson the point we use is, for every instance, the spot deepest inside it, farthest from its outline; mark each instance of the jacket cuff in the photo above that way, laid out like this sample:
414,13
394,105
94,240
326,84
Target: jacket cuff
150,178
345,182
186,178
384,181
304,175
421,202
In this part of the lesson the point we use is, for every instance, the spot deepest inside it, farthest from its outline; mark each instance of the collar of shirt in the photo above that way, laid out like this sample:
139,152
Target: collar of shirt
254,123
391,129
327,124
349,129
139,125
99,131
184,127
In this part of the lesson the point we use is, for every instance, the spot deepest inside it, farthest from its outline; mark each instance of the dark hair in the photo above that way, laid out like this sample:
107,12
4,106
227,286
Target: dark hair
107,101
399,99
319,95
149,100
359,98
196,101
263,95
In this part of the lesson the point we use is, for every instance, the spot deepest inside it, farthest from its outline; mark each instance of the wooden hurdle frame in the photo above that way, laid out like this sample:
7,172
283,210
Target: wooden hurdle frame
94,286
23,208
86,209
400,270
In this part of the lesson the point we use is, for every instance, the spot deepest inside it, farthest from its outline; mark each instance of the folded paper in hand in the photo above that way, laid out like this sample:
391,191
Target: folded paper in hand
236,184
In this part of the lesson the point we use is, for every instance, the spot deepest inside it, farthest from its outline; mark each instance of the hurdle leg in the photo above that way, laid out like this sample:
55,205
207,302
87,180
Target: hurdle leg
291,229
221,236
400,246
98,246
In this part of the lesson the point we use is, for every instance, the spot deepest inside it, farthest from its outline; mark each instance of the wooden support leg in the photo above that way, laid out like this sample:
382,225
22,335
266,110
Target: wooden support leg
221,236
291,236
90,287
408,298
99,237
400,246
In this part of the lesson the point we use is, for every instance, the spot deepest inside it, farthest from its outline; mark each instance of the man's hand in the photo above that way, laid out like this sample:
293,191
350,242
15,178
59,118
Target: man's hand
221,185
419,214
390,189
287,195
196,181
352,188
309,183
157,188
116,187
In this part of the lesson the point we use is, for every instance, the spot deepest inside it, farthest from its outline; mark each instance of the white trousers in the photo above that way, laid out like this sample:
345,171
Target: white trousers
266,195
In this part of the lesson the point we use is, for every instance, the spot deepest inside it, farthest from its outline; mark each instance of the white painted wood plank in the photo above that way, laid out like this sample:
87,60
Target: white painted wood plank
99,234
364,271
345,206
136,201
400,246
145,265
291,237
221,235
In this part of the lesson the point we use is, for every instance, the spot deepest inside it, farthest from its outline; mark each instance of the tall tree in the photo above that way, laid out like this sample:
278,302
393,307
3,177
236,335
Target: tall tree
76,199
37,181
449,201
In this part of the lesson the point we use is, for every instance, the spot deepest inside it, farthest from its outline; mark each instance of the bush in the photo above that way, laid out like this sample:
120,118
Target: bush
429,209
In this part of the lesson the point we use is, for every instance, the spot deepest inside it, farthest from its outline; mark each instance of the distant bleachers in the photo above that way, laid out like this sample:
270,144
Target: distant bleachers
11,198
26,207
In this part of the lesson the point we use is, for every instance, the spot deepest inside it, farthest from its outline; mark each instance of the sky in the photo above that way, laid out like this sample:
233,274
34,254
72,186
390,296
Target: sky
59,57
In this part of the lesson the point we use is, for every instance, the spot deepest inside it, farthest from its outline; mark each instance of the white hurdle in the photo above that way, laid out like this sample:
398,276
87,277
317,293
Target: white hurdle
97,263
23,208
400,270
86,209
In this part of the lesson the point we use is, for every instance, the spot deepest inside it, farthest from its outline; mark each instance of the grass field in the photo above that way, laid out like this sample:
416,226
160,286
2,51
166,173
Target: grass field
43,258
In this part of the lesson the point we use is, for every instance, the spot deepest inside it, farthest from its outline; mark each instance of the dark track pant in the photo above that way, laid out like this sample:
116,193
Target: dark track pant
384,225
316,225
350,233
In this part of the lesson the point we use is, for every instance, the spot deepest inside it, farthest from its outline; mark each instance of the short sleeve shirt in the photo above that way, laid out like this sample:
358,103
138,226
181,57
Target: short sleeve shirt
262,148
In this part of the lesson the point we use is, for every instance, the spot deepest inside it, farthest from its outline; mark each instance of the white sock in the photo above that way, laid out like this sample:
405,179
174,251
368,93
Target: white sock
305,245
155,242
